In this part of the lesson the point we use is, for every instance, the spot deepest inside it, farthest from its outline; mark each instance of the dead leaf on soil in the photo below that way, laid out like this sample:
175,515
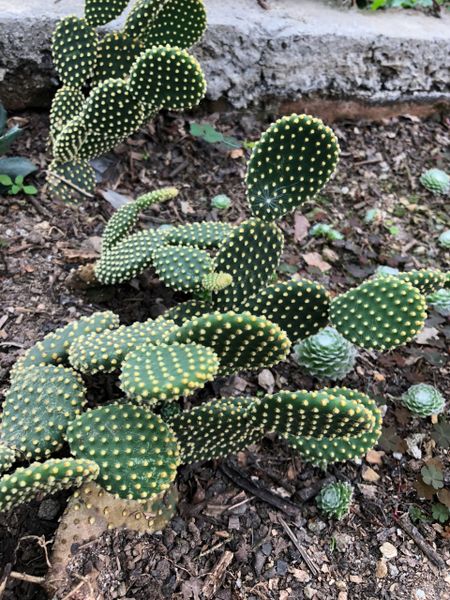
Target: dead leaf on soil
427,335
313,259
301,227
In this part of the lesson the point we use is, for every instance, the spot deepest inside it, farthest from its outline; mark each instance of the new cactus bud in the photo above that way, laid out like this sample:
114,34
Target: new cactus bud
326,355
436,181
381,313
151,374
136,451
423,399
290,164
334,499
216,282
44,478
440,301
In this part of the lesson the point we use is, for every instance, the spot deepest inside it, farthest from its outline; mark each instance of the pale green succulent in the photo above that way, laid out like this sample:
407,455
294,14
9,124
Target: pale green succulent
440,301
444,239
324,230
423,399
334,499
436,180
221,202
326,355
382,270
373,215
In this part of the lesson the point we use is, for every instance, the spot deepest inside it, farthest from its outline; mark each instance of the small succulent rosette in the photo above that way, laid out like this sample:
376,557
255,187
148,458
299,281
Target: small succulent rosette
334,499
444,239
440,301
436,181
423,399
326,355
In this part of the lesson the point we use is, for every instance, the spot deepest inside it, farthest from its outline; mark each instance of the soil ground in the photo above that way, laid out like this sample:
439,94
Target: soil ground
218,520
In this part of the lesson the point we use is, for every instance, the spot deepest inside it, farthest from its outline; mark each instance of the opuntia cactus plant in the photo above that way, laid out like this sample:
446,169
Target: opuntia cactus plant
132,73
334,499
423,399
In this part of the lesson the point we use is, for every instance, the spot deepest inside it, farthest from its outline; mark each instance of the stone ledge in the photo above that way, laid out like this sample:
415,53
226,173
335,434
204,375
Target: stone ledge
257,57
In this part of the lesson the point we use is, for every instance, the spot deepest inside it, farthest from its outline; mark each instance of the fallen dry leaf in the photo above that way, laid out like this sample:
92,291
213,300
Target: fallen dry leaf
301,227
313,259
426,335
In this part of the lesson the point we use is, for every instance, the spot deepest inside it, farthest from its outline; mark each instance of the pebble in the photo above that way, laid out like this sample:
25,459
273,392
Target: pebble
343,541
48,509
316,526
309,592
369,474
388,550
282,567
381,569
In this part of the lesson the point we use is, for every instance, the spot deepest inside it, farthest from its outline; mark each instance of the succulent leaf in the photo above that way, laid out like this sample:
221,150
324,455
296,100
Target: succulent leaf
186,311
291,162
44,478
426,281
334,499
136,451
423,399
141,15
381,313
151,374
74,46
444,239
8,456
300,307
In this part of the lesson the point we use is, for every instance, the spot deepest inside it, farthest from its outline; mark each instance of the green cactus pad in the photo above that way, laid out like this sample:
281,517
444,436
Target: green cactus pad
54,348
128,258
326,355
207,234
8,456
186,311
141,15
440,301
116,53
289,165
334,499
165,77
74,47
328,413
381,313
123,221
71,181
104,352
151,374
216,282
423,399
136,451
67,145
299,307
182,267
100,12
180,24
38,407
216,429
250,255
323,451
241,341
67,104
44,478
426,281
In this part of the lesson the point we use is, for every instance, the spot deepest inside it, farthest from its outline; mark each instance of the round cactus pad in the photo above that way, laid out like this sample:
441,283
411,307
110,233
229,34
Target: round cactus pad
74,47
100,12
207,234
182,267
180,23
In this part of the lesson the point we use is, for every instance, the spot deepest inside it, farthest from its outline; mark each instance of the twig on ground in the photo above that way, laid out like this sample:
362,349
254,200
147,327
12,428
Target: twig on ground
309,562
420,541
28,578
214,579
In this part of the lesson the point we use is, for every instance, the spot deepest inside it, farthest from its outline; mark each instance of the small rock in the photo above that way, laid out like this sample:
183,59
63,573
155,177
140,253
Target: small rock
388,550
375,457
341,585
342,596
393,571
419,594
309,592
381,569
369,474
301,575
316,526
343,541
266,548
356,579
282,567
48,509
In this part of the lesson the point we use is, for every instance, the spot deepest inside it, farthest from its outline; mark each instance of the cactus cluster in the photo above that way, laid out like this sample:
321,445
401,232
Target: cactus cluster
131,74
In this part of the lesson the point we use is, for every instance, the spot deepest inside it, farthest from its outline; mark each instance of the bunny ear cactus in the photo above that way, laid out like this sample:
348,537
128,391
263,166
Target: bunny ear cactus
100,12
74,47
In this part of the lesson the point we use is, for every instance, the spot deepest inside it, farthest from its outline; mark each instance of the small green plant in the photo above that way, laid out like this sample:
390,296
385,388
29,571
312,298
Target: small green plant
13,169
423,399
326,355
440,512
436,181
440,301
334,499
444,239
221,202
322,230
17,186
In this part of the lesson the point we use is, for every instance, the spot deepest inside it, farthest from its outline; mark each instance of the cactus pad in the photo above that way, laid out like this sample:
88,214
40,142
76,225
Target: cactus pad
326,355
54,348
44,478
182,267
136,451
105,352
250,255
423,399
241,341
141,15
74,47
181,23
100,12
70,181
128,258
123,221
116,53
207,234
8,456
216,429
440,301
67,104
186,311
154,373
381,313
321,451
426,281
38,407
165,77
289,165
216,282
334,499
299,307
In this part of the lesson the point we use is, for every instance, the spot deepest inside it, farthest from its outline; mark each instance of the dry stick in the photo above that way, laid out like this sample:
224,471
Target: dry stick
28,578
71,184
309,562
214,579
243,481
420,541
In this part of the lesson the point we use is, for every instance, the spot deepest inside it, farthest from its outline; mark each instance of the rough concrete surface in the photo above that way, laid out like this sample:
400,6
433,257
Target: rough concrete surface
251,56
